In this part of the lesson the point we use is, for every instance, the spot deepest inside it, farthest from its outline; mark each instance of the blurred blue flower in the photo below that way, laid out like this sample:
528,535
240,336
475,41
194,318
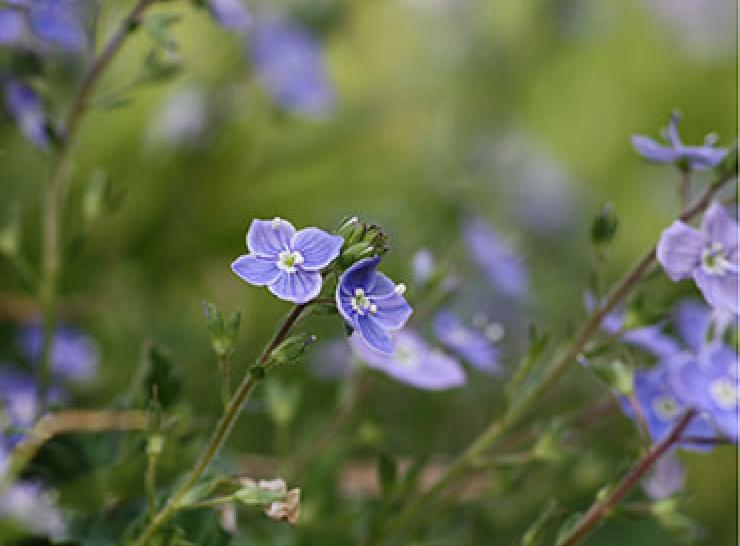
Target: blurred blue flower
182,120
423,265
661,406
710,384
332,360
697,157
19,402
708,254
372,304
667,478
468,343
27,108
412,361
74,355
57,22
230,14
504,269
288,62
12,26
287,261
32,506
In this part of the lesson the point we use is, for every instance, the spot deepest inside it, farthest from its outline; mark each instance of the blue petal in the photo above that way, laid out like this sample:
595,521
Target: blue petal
360,275
268,238
12,26
317,247
382,287
692,319
298,287
653,340
374,334
719,227
255,270
652,151
470,344
393,312
25,105
720,291
230,14
344,306
58,22
679,250
703,157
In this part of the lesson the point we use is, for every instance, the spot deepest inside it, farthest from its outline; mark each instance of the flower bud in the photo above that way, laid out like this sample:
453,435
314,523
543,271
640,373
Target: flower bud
223,333
292,349
604,226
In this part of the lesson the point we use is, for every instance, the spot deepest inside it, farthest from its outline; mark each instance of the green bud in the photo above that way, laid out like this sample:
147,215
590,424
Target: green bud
223,333
604,226
355,253
292,349
616,374
352,231
154,444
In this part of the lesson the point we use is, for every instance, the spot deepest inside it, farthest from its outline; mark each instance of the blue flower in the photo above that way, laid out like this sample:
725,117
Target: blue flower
708,254
667,478
660,404
287,261
697,157
58,22
230,14
423,265
372,304
19,400
710,384
503,267
289,64
27,108
12,26
74,355
412,361
332,360
30,504
468,343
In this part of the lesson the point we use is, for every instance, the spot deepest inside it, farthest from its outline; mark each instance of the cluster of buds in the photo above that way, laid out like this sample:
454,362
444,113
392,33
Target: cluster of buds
361,240
282,504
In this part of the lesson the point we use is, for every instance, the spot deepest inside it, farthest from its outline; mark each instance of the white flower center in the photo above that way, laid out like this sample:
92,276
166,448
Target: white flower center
666,407
714,260
724,393
361,304
288,260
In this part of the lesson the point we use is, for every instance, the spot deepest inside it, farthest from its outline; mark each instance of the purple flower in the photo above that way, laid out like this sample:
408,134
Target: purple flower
697,157
695,322
12,26
468,343
27,108
30,505
661,406
505,269
287,261
372,304
19,398
288,62
710,384
667,478
423,266
58,22
412,361
230,14
708,254
74,355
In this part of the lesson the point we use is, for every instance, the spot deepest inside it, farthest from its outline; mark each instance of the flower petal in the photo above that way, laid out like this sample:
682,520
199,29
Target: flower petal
360,275
720,227
652,151
374,334
269,237
692,319
652,339
298,287
317,247
393,312
720,291
231,14
679,250
255,270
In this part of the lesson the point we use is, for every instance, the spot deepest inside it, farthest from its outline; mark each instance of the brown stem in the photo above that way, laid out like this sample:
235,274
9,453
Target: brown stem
599,510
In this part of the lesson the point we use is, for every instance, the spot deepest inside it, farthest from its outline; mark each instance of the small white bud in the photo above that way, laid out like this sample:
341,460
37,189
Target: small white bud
400,289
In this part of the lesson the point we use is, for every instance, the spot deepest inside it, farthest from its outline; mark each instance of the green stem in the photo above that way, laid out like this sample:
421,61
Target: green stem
225,366
497,428
222,430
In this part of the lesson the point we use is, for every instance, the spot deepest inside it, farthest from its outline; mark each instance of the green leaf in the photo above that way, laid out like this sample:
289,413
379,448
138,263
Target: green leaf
387,474
162,376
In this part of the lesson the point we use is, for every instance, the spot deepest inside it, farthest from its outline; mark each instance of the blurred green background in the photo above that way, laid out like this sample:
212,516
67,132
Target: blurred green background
520,112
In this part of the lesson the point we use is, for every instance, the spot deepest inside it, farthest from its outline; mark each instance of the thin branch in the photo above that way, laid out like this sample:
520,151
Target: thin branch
599,510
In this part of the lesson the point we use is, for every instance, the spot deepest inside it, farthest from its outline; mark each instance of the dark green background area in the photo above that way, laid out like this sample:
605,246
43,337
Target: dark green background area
434,100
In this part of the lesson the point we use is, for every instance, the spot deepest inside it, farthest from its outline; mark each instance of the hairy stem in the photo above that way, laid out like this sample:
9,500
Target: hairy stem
600,509
523,405
222,430
53,200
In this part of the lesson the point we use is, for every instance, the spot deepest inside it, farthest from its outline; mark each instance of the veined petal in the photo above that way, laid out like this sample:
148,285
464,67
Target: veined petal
359,275
393,312
679,250
298,287
720,291
692,320
652,151
382,287
720,227
374,334
317,247
255,270
269,237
